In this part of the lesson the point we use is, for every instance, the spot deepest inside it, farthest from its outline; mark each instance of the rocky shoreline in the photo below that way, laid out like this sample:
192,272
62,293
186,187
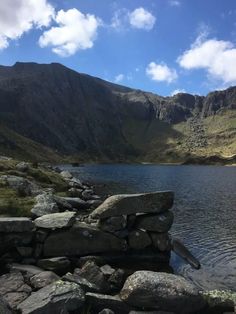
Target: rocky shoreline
79,254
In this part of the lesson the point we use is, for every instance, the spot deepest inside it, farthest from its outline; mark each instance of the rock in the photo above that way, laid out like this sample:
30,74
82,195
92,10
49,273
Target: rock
107,270
13,289
126,204
89,195
113,224
62,204
16,224
162,291
74,192
24,251
157,223
38,250
80,240
161,241
45,204
100,301
66,175
56,264
86,285
56,221
43,279
106,311
139,239
220,301
117,279
152,312
22,186
4,307
75,183
94,203
93,274
58,297
41,235
27,270
22,166
76,202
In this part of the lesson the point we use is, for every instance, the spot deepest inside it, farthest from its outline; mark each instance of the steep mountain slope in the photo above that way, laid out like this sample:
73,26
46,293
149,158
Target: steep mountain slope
76,114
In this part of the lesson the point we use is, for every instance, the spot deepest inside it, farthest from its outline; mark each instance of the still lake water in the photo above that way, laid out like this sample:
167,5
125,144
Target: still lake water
204,208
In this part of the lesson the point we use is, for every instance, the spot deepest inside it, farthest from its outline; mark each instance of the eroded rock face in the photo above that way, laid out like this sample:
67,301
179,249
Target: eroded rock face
58,297
80,240
127,204
162,291
55,221
157,223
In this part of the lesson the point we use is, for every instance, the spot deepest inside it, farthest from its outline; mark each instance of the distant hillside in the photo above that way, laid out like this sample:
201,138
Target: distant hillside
49,108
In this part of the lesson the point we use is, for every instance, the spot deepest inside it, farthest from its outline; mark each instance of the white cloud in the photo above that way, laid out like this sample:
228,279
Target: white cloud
161,72
174,3
177,91
119,78
120,19
142,19
75,31
19,16
217,57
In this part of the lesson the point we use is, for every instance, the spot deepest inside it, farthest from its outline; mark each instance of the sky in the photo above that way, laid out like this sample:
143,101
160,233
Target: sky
161,46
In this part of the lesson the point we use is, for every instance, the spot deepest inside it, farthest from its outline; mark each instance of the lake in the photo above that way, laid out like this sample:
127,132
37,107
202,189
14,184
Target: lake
205,211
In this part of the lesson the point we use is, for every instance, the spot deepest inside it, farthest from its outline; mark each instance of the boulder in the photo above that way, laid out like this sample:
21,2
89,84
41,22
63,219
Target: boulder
220,301
45,204
127,204
75,192
162,291
59,265
22,166
139,239
22,186
66,175
43,279
113,224
76,202
157,223
56,221
161,241
98,302
26,270
13,288
4,307
107,270
80,240
86,285
58,297
16,224
62,204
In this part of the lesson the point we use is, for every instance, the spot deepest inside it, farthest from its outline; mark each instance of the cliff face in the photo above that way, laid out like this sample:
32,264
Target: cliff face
76,114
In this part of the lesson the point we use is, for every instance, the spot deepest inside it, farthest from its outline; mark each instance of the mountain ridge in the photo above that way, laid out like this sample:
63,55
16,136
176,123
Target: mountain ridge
76,114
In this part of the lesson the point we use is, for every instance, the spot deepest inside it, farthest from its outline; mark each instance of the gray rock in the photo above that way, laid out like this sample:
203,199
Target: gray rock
113,224
157,223
4,307
106,311
23,186
24,251
22,166
161,241
76,202
162,291
139,239
86,285
27,270
38,250
41,235
66,175
80,240
75,183
56,264
13,288
89,195
43,279
58,297
75,192
45,204
93,204
117,279
100,301
62,204
107,270
126,204
15,224
55,221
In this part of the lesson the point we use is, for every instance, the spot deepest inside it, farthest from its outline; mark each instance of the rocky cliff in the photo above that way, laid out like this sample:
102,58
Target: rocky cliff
79,115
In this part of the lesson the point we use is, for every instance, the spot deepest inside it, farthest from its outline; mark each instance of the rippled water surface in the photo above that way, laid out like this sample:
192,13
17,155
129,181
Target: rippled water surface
205,211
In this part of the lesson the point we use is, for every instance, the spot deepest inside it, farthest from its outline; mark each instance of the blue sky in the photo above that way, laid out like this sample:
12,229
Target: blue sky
163,46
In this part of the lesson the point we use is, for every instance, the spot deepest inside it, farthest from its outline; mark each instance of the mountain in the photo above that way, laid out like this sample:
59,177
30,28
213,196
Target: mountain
73,114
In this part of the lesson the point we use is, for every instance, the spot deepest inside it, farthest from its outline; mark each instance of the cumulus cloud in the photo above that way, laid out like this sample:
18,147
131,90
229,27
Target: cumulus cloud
174,3
177,91
19,16
161,72
142,19
217,57
75,31
119,78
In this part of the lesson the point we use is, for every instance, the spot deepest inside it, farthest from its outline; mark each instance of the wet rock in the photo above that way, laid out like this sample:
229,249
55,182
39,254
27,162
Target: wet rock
113,224
58,297
157,223
162,291
86,285
13,288
45,204
161,241
55,221
126,204
57,264
100,301
80,240
139,239
43,279
16,224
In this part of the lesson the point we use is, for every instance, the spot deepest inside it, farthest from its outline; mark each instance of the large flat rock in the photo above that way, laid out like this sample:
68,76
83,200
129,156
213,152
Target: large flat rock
56,221
80,240
155,222
127,204
161,291
16,224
